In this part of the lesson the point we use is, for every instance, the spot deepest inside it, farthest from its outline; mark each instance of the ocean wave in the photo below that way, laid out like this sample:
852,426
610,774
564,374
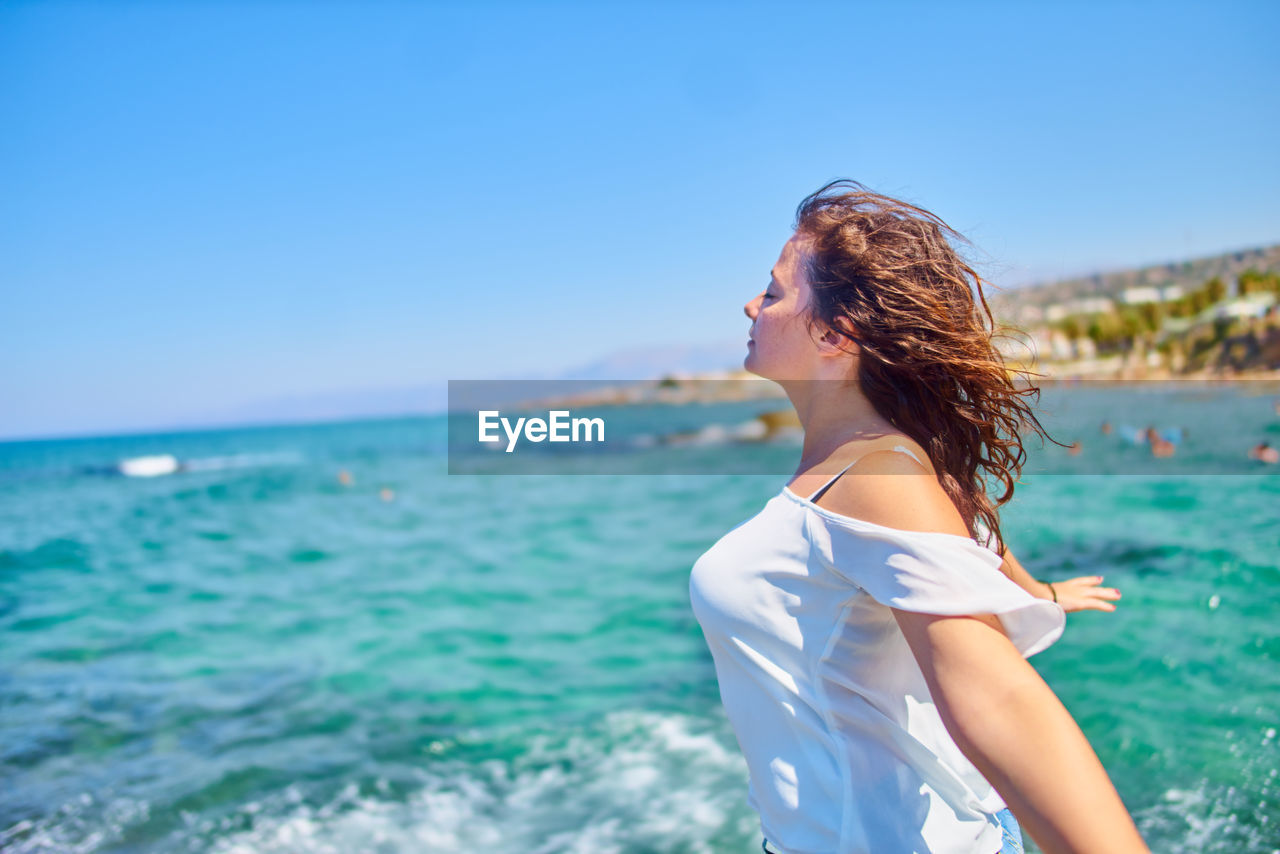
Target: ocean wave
1212,819
635,781
82,825
638,781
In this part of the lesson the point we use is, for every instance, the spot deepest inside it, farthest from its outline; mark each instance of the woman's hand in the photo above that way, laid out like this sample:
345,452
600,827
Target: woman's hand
1074,594
1083,594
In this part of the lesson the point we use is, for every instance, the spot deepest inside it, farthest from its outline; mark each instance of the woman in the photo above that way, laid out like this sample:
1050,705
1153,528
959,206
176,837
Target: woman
870,652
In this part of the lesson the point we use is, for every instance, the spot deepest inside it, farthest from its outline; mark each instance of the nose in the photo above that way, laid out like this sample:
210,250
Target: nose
753,308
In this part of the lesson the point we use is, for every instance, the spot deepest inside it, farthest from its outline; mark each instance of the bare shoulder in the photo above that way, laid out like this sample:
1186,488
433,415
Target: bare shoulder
890,488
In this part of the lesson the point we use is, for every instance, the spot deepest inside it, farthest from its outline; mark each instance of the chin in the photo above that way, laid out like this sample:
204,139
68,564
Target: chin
749,365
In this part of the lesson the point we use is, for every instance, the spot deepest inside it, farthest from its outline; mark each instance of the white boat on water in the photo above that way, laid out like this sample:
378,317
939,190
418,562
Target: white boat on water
152,466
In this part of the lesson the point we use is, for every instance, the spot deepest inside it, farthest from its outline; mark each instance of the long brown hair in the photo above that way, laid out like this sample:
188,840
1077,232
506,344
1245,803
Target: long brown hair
887,275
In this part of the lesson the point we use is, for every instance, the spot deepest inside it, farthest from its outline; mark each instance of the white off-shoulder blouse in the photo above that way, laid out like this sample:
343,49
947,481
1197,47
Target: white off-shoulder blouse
845,748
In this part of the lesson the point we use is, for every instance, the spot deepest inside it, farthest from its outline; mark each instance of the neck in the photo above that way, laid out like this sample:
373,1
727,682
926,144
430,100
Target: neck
833,413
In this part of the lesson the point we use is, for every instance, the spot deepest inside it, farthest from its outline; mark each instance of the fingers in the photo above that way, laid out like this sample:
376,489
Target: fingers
1099,592
1087,605
1088,586
1084,594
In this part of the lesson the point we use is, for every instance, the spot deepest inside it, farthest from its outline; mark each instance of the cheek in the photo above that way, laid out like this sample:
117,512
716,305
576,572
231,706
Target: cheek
791,330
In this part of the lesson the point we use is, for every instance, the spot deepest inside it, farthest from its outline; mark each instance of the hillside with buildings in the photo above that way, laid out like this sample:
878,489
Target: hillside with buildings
1210,317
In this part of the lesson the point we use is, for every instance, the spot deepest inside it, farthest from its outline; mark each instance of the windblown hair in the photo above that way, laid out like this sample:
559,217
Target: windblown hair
886,274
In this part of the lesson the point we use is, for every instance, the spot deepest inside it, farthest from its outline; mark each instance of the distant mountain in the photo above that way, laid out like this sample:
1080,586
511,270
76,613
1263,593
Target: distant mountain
636,363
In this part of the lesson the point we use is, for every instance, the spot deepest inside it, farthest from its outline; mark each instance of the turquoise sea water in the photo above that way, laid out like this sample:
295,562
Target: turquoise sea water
252,657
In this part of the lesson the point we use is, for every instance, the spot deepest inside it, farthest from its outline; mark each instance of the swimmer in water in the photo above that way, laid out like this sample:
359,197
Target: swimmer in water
1264,453
1160,446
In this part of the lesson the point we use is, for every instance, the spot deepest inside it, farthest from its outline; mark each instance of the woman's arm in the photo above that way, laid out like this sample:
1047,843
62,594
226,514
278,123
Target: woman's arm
1016,732
1074,594
998,710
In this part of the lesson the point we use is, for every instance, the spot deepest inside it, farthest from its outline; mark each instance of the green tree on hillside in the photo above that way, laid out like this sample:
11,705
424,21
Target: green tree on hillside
1106,331
1150,315
1073,327
1253,282
1198,301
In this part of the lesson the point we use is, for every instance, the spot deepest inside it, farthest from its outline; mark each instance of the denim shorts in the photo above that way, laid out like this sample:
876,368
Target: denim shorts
1011,835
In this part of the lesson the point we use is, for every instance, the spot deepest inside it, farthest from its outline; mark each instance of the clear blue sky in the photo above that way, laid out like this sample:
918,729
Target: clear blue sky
205,205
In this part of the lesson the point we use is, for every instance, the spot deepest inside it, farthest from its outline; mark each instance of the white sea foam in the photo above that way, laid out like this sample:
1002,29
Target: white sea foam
651,783
640,781
239,461
1203,820
82,825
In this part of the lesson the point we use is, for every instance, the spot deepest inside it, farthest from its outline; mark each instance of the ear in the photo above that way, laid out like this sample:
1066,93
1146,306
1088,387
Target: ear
833,343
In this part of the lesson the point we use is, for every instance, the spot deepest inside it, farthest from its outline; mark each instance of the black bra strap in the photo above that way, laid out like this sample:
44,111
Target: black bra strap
814,498
827,485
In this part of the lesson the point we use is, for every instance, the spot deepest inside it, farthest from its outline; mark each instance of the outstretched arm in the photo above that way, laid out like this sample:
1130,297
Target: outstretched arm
1074,594
1016,732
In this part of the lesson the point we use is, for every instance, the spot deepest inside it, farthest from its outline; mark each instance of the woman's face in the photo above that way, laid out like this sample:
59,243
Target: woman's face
780,345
